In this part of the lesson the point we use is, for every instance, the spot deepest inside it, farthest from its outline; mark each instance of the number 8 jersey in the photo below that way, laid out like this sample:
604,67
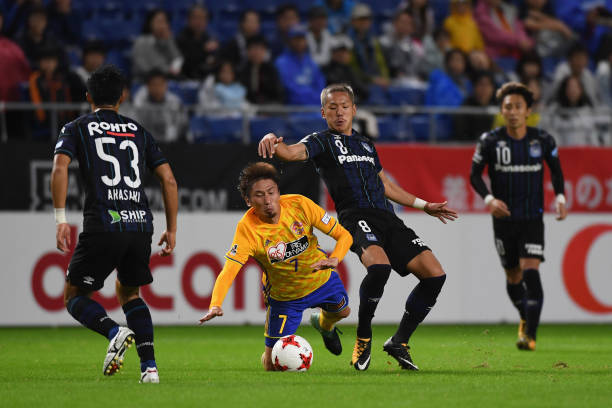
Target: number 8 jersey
112,151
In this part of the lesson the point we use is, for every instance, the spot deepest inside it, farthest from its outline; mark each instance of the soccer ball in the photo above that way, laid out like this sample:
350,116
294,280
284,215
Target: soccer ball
292,353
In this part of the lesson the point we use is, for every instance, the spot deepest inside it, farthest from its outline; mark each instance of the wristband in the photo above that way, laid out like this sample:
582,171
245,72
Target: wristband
488,199
418,203
560,199
60,216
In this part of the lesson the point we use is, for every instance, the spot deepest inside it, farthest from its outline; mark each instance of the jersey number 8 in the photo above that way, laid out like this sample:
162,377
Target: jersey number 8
364,226
113,160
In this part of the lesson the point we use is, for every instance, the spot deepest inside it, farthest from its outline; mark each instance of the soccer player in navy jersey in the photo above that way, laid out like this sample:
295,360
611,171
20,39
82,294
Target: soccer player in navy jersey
349,165
515,155
113,152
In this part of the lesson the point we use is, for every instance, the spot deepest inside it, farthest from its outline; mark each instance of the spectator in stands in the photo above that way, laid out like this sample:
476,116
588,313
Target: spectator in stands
65,22
300,75
451,86
462,28
51,83
236,49
198,46
403,52
259,75
528,68
159,110
422,16
287,16
155,48
479,61
471,126
368,55
318,36
340,70
36,37
503,32
577,65
552,36
338,14
571,114
16,14
14,67
94,55
603,77
230,93
435,48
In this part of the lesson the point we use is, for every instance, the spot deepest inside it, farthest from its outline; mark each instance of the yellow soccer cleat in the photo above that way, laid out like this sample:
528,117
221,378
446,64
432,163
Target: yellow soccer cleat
526,343
361,354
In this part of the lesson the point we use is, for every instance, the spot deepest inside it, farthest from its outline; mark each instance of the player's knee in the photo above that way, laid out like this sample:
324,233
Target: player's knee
70,292
345,312
377,276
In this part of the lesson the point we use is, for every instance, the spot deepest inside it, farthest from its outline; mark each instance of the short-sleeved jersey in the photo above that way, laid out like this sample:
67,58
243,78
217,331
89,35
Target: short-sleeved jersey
515,168
349,165
287,249
113,152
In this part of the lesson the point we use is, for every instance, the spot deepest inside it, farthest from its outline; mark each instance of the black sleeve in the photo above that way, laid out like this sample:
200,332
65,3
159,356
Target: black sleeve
554,164
478,165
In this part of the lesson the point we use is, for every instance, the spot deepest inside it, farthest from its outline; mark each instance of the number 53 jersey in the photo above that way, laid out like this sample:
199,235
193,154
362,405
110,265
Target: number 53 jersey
113,152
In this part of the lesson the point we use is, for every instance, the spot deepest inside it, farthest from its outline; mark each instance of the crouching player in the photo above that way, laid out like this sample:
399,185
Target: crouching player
278,232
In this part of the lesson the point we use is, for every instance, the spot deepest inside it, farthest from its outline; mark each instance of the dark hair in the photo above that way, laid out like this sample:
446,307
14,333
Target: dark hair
528,58
146,28
346,88
105,85
254,172
37,10
283,8
514,88
562,95
220,67
94,46
577,48
155,73
448,55
245,13
257,39
478,75
198,6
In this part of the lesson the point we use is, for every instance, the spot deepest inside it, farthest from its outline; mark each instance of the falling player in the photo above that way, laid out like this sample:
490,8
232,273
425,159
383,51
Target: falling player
112,151
278,232
349,165
514,155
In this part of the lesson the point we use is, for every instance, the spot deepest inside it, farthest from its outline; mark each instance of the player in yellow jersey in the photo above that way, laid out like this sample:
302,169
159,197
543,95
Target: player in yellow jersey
278,232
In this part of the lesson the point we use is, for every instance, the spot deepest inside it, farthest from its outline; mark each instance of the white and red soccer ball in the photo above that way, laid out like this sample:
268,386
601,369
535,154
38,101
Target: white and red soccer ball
292,353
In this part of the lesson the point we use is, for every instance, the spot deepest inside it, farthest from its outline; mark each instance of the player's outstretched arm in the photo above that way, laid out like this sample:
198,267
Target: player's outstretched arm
222,285
396,193
271,145
169,188
59,189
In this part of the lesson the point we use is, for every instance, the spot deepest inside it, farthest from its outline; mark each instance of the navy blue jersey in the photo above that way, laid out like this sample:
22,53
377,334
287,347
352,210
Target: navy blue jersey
349,165
113,152
516,170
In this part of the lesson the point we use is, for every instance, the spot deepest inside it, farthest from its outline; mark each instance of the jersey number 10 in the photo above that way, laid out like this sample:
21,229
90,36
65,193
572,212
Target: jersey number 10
503,155
100,142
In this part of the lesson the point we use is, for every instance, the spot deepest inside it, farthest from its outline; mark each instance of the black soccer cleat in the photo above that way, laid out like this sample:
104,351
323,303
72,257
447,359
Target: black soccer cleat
330,338
399,351
361,354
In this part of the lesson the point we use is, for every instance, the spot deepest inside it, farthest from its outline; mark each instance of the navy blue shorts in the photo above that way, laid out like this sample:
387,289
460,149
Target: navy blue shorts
284,317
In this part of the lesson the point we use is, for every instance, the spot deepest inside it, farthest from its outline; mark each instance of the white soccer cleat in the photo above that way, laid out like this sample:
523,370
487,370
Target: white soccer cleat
150,375
116,349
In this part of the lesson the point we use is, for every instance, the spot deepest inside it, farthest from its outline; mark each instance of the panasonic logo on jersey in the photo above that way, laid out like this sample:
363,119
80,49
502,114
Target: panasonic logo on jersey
518,168
99,127
354,158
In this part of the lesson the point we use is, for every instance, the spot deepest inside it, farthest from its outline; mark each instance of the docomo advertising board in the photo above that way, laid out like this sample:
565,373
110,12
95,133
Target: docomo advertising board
576,276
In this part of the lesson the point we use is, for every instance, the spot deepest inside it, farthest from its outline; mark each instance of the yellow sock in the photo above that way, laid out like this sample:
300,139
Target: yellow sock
328,320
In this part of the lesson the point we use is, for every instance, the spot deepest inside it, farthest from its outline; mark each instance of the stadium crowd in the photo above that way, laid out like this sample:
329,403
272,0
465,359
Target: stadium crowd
188,60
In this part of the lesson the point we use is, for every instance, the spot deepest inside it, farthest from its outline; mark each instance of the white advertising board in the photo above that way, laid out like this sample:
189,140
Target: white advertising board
577,274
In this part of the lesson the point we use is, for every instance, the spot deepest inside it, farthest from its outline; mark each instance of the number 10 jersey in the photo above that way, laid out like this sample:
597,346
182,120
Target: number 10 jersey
113,152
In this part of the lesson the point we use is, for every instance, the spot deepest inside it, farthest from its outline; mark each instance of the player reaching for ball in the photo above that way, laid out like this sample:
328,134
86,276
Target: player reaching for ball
349,165
112,151
278,232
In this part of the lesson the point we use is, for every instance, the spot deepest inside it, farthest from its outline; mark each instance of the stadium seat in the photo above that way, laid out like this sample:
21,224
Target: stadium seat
259,126
207,129
419,127
378,96
302,124
388,128
24,91
507,64
440,9
186,90
406,96
383,7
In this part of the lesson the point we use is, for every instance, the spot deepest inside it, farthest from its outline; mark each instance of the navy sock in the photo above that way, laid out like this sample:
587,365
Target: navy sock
418,305
92,315
370,292
139,321
516,291
534,300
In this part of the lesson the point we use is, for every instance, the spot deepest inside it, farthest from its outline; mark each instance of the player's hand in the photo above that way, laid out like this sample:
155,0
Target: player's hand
212,313
498,208
170,239
561,211
441,211
62,237
325,264
267,145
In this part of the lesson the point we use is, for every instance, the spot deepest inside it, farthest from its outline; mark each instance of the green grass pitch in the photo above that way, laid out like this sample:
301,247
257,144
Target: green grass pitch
219,366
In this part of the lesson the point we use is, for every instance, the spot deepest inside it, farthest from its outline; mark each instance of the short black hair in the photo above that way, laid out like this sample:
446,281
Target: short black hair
155,73
105,85
514,88
577,48
146,27
94,46
283,8
257,39
254,172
